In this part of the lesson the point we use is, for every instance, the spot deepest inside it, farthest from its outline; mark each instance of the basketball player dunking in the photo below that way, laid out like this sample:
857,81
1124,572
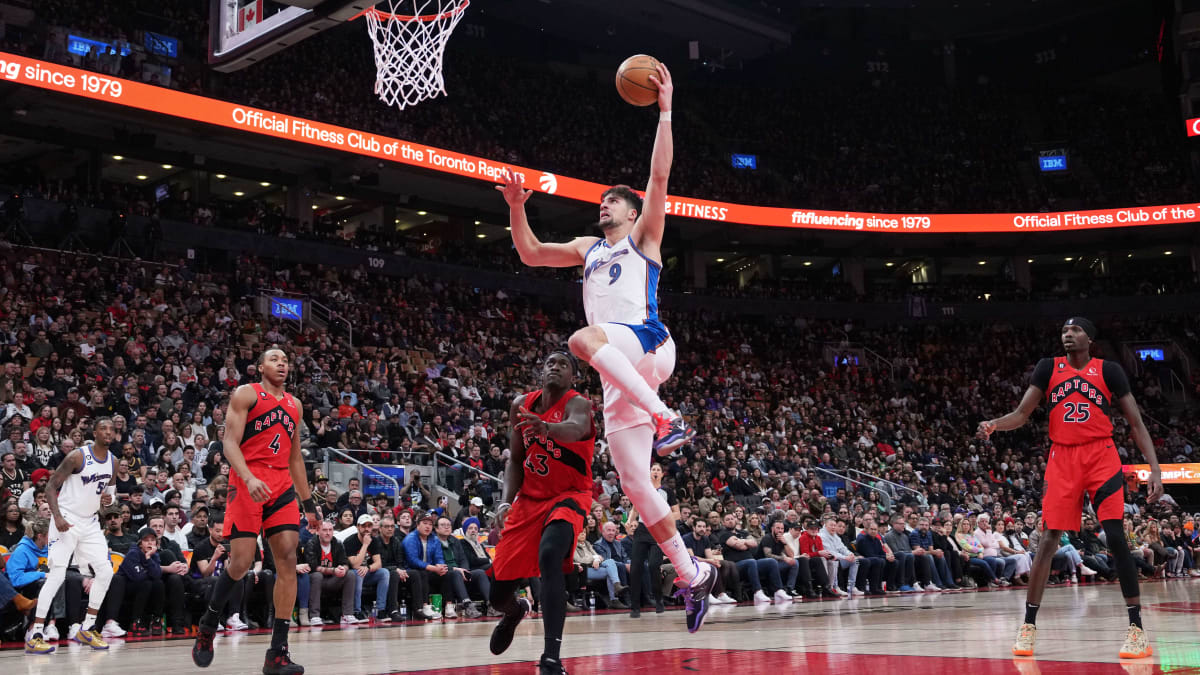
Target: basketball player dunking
547,494
1083,461
625,341
75,493
262,446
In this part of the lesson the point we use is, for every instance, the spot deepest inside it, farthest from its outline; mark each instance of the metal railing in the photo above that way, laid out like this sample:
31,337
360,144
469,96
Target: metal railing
920,497
365,467
455,460
848,479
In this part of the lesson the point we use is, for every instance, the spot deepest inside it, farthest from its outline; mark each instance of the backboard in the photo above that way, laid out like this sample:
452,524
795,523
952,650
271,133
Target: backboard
243,32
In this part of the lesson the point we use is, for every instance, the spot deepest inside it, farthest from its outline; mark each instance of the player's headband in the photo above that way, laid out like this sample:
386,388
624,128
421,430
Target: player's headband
570,357
1087,326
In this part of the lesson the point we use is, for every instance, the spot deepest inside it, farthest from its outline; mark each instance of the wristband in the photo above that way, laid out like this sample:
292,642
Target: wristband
664,116
309,505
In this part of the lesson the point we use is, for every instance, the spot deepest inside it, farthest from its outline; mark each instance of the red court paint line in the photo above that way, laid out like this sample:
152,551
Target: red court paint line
687,661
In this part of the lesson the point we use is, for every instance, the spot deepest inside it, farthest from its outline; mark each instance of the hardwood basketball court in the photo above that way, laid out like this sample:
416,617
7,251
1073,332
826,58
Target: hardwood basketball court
1080,631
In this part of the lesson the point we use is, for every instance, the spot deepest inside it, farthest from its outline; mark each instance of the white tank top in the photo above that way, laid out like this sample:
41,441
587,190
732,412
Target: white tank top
620,284
80,494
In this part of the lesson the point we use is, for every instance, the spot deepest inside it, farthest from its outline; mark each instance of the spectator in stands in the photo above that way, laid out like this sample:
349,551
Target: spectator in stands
970,545
921,543
13,478
843,557
610,548
393,560
818,559
209,557
197,529
424,554
870,545
704,546
175,576
454,583
140,575
119,539
39,479
737,546
364,552
599,568
478,560
12,530
330,571
774,547
990,540
897,542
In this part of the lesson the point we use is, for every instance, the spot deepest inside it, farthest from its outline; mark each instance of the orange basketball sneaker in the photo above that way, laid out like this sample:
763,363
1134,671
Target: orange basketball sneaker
1136,645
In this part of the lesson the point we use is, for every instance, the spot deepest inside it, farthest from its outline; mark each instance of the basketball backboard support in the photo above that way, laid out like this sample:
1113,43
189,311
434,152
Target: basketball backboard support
243,32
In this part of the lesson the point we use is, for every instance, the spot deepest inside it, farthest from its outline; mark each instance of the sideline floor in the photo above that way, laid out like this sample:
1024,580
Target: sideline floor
1080,631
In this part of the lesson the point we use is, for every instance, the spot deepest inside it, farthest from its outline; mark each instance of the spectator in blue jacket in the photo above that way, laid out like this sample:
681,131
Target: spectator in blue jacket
23,566
140,574
921,541
424,553
27,573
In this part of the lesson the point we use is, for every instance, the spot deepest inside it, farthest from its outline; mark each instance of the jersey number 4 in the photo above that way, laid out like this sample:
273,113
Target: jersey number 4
274,445
1077,411
537,464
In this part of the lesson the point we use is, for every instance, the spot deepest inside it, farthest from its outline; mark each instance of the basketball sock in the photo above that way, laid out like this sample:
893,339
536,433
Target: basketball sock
39,628
1031,612
615,367
89,621
1135,614
685,565
279,633
217,601
630,450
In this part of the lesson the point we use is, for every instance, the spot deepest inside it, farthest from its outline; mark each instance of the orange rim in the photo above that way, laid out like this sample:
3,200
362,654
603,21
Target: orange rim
382,15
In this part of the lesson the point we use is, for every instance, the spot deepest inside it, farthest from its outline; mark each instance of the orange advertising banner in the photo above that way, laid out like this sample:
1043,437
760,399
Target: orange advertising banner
86,84
1171,473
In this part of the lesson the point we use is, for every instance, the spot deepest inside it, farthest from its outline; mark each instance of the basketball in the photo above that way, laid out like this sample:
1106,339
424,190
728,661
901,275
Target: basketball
633,80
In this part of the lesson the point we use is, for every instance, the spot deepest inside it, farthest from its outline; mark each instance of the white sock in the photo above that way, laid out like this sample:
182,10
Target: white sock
685,565
614,367
39,628
89,620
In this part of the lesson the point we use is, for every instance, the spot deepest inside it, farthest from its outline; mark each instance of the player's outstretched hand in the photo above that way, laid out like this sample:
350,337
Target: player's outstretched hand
532,422
986,428
259,491
1155,486
513,189
666,87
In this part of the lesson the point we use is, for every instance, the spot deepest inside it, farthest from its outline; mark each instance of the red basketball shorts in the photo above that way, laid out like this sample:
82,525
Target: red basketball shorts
521,538
1074,471
245,517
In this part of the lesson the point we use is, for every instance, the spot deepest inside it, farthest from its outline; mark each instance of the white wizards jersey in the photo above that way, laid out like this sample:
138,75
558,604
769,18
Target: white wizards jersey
620,285
80,494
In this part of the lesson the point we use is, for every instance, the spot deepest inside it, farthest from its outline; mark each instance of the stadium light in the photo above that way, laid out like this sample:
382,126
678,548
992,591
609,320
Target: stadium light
141,177
238,193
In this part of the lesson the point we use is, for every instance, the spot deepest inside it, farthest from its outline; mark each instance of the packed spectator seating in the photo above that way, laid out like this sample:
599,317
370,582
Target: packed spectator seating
160,348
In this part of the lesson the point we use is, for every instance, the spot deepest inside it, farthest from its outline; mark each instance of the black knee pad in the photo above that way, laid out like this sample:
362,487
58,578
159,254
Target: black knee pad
1114,532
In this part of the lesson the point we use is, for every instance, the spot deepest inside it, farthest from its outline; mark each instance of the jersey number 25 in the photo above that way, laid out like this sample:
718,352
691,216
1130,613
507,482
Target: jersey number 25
1077,411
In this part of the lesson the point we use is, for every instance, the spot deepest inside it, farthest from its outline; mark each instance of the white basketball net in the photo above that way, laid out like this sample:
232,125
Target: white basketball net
410,39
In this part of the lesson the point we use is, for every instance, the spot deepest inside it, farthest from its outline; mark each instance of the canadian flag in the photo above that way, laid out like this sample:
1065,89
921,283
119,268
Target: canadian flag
249,15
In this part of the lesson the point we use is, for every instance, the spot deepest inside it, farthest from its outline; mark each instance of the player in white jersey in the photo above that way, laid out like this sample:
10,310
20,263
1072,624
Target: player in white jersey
75,493
625,341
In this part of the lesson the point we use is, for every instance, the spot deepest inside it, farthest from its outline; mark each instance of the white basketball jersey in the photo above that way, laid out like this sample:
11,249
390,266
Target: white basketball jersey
80,494
620,285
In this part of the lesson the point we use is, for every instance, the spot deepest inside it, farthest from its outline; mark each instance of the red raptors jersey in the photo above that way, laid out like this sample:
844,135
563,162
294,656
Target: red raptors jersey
554,468
1081,401
270,428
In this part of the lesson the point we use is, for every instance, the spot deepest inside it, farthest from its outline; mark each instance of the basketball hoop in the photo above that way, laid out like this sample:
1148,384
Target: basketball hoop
409,43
